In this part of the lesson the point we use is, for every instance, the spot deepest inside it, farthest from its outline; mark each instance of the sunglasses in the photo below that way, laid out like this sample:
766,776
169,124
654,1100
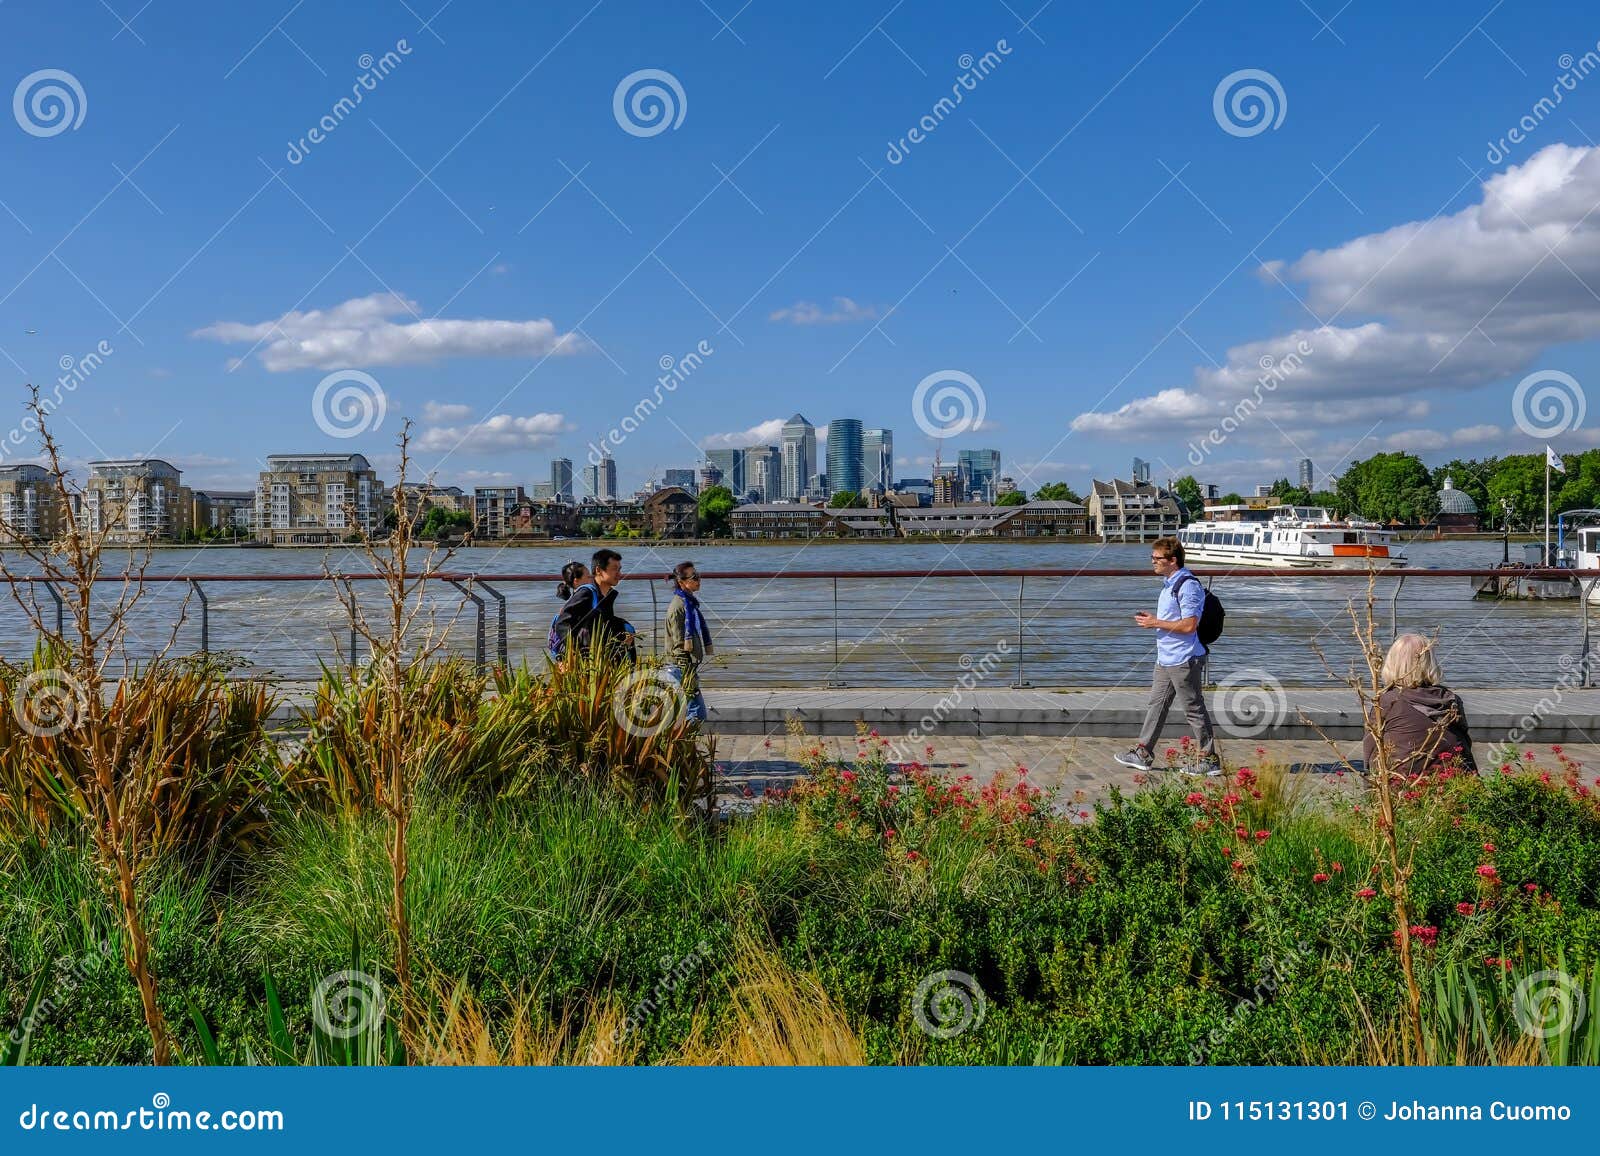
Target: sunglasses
1161,557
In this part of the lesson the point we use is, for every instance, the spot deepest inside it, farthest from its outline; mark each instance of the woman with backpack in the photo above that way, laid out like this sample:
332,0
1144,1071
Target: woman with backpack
590,608
688,638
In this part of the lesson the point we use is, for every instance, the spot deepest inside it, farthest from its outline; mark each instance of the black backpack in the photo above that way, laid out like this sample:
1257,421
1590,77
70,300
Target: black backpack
1211,614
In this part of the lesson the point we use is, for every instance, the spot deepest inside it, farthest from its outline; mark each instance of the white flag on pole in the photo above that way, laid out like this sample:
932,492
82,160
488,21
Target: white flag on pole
1553,460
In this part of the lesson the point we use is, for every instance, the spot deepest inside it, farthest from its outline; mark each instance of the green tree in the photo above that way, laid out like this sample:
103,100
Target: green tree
1056,492
591,527
1014,498
716,503
1231,499
442,523
1390,487
1290,494
1187,491
846,500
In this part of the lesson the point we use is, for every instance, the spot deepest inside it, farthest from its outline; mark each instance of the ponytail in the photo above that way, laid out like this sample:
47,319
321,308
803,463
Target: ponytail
571,574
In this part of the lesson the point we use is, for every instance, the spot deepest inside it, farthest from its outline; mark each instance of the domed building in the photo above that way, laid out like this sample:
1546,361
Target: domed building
1458,513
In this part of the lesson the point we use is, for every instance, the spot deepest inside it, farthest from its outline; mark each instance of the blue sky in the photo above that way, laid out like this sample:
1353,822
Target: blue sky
1081,236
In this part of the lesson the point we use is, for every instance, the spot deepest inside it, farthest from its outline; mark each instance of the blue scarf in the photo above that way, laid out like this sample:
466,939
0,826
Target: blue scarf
694,623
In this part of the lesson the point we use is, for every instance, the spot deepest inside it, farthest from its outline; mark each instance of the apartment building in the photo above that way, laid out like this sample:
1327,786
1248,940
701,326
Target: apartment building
316,499
1132,511
29,508
135,501
491,509
224,511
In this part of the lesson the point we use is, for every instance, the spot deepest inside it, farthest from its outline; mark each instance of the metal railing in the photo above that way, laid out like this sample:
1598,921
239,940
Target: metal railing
1061,626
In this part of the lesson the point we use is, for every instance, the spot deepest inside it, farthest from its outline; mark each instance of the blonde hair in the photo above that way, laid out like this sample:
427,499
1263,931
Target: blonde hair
1410,663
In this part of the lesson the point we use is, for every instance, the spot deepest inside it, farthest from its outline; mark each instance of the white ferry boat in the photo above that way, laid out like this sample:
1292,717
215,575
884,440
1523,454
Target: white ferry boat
1288,537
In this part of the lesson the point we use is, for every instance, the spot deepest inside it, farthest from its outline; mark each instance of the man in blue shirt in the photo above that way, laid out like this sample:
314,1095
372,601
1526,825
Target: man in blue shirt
1180,660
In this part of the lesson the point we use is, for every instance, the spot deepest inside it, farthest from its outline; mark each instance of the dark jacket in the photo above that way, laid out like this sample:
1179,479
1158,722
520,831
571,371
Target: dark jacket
583,618
1419,724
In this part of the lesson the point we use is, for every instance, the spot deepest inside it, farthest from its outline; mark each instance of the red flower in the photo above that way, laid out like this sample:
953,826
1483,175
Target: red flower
1338,867
1496,961
1227,852
1194,798
1238,866
1466,908
1486,870
1319,877
1261,836
1171,752
1083,814
1366,893
1488,848
1241,832
848,776
913,856
1030,842
1530,888
889,834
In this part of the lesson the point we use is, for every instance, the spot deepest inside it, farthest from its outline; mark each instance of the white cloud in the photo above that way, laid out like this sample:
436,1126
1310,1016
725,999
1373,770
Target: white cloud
768,433
363,332
438,412
1443,306
501,433
810,313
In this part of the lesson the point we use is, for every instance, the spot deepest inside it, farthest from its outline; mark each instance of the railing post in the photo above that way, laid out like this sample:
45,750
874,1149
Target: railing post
1394,630
500,630
655,623
477,600
1022,678
205,616
61,608
350,590
1583,659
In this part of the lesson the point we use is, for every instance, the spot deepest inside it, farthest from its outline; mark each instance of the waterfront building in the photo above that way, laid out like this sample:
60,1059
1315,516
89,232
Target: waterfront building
224,511
316,499
844,455
420,497
561,478
135,501
1458,513
491,508
877,460
541,520
799,452
783,520
1306,473
1030,520
30,509
599,480
683,479
671,512
980,473
1132,511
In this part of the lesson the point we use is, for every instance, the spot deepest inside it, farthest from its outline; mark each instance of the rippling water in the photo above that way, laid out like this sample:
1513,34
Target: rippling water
878,631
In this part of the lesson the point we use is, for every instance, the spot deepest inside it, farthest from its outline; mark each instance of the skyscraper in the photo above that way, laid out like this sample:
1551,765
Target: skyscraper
877,459
980,473
601,480
1141,470
799,456
683,478
561,478
844,455
1306,473
731,464
763,471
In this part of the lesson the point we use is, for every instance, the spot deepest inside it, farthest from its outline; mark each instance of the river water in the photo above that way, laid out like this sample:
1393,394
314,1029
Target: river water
866,631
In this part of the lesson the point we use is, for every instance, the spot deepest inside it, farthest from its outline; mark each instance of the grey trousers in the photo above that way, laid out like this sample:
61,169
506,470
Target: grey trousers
1183,683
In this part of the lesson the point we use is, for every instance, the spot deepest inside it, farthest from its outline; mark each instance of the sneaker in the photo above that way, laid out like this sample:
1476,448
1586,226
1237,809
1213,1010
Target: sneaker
1206,768
1138,758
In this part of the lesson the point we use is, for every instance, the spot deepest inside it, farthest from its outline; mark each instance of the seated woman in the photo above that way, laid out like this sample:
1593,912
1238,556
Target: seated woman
1421,719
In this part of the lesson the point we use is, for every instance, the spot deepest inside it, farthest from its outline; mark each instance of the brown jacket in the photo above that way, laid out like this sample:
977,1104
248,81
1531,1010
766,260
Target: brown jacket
1419,724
